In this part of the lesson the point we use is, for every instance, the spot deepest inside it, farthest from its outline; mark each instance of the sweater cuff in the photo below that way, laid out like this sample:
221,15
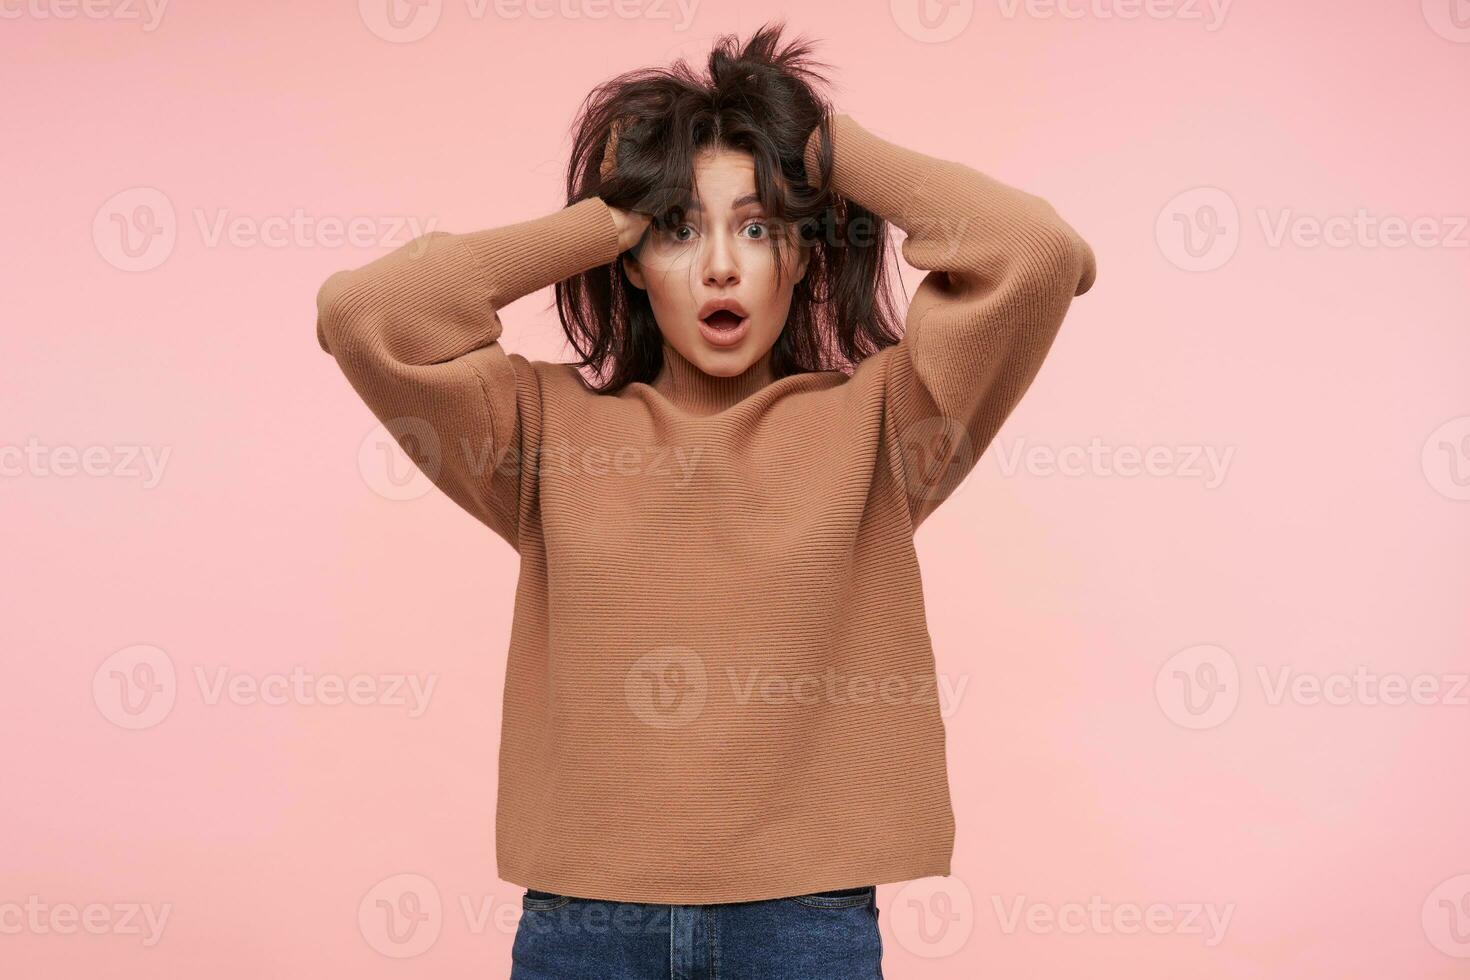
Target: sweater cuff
812,148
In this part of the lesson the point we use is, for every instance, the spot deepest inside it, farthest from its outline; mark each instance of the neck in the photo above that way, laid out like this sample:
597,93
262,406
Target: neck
685,384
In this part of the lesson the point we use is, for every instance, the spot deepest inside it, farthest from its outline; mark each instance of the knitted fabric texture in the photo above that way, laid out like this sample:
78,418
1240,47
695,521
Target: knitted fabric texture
720,684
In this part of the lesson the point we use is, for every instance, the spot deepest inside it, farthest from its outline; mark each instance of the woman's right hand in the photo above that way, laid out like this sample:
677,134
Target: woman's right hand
631,226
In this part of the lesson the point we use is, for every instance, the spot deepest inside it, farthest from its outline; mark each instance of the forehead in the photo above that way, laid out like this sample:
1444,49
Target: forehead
724,179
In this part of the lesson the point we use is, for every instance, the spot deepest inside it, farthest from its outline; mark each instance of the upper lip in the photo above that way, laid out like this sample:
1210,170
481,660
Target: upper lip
733,305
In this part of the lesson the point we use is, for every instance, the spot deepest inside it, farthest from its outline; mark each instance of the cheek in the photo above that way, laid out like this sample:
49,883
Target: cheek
669,296
666,258
777,310
777,293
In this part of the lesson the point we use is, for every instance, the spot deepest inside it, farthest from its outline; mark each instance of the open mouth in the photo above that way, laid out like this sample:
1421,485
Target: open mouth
723,320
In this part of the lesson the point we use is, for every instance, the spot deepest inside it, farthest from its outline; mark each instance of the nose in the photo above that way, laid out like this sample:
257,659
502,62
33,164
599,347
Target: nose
720,266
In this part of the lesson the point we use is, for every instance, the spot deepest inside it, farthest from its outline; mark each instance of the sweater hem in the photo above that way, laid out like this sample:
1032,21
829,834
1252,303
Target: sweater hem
612,886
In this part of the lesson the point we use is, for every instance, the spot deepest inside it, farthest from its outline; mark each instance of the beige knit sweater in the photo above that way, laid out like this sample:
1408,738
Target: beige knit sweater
720,684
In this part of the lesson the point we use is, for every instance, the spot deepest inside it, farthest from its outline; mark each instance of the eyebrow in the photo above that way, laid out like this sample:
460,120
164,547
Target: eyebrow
739,202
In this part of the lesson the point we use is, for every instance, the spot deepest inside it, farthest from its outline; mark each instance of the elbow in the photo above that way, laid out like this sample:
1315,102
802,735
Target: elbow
350,303
1063,257
1086,265
332,310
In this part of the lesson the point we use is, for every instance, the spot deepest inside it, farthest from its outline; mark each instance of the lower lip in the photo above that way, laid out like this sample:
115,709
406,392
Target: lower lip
725,338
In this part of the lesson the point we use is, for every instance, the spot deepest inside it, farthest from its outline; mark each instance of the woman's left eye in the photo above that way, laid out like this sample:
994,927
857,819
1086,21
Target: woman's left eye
758,224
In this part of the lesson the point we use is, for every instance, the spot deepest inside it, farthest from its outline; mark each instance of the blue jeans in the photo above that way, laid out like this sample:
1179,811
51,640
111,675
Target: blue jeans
822,936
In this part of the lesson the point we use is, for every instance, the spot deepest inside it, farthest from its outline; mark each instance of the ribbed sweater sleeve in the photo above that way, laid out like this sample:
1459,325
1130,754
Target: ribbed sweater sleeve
417,330
1002,271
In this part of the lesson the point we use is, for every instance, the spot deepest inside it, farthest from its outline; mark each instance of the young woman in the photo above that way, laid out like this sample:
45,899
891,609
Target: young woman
720,724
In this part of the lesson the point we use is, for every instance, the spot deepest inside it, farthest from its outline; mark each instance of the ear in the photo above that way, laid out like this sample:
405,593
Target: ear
635,271
802,262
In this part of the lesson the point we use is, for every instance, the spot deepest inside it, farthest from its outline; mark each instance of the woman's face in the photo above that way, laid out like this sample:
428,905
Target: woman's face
719,250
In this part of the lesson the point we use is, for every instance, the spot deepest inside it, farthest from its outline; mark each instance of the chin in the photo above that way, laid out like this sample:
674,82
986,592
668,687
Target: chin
731,360
726,363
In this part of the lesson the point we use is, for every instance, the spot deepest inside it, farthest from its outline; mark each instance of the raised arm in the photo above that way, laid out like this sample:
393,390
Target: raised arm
416,331
1003,270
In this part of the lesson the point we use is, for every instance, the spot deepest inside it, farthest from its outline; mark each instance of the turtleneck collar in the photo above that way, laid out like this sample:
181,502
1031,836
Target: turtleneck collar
685,384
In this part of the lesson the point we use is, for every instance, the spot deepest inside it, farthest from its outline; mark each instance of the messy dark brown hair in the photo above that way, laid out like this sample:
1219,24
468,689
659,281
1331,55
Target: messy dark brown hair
762,98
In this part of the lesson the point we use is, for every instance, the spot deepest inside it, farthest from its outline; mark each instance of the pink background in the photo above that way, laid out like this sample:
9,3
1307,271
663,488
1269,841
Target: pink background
1079,613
